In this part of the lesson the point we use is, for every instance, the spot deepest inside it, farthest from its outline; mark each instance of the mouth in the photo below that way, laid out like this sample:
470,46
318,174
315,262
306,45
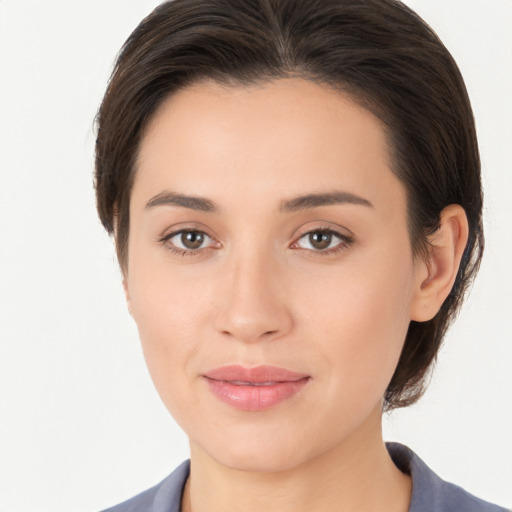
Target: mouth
254,389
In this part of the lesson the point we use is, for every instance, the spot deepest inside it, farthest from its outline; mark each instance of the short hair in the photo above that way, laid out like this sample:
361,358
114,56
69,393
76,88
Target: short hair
378,52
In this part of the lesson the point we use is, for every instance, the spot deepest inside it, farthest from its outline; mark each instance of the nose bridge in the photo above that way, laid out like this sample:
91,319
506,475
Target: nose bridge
252,306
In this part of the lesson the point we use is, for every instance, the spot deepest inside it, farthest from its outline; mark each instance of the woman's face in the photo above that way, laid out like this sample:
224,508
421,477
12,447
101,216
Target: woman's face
267,230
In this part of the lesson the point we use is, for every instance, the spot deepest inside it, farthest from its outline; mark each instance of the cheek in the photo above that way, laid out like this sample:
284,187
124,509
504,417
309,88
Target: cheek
169,313
162,295
160,310
359,320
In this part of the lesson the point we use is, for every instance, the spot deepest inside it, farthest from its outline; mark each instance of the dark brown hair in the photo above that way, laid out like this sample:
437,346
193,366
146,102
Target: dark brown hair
378,51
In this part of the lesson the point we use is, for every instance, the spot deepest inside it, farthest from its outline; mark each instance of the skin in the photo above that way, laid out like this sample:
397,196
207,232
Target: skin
257,292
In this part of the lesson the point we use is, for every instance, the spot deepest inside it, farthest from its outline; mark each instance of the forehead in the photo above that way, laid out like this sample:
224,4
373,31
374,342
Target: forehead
290,135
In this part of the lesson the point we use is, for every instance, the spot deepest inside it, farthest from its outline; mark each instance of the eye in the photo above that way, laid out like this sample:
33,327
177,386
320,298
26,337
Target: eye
188,240
322,240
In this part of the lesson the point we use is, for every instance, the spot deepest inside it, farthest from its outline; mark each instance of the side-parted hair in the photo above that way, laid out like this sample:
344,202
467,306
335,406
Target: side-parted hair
378,52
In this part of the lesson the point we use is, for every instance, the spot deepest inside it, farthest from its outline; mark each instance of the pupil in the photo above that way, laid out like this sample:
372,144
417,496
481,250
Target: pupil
320,240
192,239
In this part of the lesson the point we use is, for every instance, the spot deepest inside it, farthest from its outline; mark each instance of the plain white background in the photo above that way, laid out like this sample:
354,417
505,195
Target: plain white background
81,426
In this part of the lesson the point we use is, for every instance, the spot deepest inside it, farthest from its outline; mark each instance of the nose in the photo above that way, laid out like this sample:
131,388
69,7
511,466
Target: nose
252,305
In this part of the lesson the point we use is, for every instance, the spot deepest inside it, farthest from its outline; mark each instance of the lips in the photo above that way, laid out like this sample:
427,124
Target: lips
254,389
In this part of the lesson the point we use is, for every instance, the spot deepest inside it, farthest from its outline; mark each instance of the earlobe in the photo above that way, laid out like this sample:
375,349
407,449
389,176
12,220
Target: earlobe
436,274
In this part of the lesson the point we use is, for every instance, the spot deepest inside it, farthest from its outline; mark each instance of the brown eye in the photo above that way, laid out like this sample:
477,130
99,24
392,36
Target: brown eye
320,240
192,239
188,241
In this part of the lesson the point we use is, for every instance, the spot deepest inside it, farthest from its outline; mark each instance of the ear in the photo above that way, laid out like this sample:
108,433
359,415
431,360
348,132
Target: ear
436,274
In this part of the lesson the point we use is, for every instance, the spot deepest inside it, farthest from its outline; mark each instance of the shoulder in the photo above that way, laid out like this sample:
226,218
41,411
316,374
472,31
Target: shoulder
430,492
163,497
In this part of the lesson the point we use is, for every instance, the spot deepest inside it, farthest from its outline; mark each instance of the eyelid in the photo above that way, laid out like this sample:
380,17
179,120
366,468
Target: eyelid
344,234
179,227
346,239
324,226
170,233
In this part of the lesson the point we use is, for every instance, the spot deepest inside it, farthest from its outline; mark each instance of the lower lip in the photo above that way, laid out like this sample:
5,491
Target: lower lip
255,398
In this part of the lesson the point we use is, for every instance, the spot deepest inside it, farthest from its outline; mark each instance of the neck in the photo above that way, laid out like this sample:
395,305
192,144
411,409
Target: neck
357,475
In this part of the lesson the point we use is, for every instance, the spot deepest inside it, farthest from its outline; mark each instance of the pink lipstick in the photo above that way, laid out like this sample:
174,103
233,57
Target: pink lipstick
254,389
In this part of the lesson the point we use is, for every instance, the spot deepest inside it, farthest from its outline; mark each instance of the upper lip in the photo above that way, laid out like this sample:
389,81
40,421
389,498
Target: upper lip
258,374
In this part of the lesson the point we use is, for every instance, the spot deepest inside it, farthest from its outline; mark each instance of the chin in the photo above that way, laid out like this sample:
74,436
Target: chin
257,450
260,461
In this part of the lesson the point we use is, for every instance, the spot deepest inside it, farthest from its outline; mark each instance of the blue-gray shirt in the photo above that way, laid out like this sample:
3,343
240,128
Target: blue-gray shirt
429,492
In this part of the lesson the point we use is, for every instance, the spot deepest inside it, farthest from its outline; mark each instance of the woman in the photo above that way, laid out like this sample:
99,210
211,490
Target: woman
294,191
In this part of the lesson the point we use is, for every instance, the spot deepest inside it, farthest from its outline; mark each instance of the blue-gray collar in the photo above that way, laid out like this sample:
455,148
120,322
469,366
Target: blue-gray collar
429,492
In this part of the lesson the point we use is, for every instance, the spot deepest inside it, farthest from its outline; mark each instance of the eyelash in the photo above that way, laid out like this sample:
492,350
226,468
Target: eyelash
345,242
184,252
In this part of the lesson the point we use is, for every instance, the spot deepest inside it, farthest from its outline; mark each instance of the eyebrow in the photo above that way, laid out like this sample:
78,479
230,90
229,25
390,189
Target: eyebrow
173,199
325,199
292,205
